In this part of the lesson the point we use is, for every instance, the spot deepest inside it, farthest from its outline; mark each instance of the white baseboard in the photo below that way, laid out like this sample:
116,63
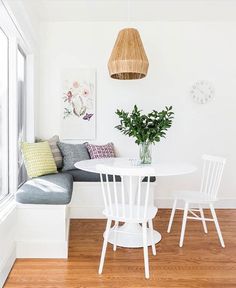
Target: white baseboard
6,265
41,249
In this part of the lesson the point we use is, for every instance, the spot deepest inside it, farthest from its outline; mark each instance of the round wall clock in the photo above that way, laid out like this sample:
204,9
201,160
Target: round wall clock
202,92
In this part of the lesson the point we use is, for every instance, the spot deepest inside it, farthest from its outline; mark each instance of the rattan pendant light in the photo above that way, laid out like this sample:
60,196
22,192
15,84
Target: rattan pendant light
128,58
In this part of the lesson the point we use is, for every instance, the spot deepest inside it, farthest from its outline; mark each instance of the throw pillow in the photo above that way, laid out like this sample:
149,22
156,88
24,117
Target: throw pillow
38,159
55,150
101,151
72,153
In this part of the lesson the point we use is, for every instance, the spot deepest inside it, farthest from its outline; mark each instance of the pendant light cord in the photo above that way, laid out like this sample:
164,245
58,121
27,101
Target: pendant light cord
128,12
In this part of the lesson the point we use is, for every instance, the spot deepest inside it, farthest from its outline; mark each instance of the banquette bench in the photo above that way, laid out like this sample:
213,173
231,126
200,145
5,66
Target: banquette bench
45,206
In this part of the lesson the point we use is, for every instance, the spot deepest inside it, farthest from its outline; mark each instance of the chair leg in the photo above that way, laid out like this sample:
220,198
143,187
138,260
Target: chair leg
181,242
115,235
104,247
217,225
152,238
145,250
203,219
172,216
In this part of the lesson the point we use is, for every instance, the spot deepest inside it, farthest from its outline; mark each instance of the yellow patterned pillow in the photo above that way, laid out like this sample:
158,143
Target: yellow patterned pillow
38,159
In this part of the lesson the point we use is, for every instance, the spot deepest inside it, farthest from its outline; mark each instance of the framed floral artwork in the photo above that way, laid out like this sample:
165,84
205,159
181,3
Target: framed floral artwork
79,104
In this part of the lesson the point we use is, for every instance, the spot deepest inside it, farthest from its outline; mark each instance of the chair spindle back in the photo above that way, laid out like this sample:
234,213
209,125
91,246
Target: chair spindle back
125,195
212,174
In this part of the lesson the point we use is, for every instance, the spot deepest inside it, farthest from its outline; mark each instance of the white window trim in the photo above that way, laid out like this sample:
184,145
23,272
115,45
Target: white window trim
5,131
15,37
27,46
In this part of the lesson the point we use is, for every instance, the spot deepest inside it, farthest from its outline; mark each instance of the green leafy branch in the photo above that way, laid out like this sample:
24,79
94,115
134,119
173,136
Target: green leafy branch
145,128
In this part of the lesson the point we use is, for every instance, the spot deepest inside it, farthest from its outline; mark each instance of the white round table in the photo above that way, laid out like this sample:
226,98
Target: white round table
131,236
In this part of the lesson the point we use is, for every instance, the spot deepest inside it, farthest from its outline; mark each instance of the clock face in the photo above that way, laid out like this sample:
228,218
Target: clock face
202,92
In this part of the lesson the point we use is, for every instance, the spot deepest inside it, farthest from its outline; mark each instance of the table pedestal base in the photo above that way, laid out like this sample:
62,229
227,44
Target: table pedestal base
130,236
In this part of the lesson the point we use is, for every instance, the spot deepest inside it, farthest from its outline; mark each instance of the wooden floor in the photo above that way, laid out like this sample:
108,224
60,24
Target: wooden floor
201,263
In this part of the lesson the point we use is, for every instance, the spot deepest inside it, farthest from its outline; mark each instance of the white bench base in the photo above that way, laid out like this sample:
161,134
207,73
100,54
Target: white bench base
87,200
42,231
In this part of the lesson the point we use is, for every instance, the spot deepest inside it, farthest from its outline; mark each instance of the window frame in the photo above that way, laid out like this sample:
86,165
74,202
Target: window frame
5,131
21,169
16,39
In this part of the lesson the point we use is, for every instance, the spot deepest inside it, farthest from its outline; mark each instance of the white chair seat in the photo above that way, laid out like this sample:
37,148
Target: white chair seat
137,213
194,197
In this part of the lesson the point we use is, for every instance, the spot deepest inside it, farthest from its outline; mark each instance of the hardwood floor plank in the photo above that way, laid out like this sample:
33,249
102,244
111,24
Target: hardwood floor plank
200,263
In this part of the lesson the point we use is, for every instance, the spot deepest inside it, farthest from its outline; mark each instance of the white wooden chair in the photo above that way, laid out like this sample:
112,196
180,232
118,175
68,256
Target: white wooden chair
128,202
211,177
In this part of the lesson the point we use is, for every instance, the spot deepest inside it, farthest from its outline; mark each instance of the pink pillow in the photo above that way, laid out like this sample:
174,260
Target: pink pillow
101,151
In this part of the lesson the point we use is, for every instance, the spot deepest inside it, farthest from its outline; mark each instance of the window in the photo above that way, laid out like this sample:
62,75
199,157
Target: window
21,96
15,84
3,114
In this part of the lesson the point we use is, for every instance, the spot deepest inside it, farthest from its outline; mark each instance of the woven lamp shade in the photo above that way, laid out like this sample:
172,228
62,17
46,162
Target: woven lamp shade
128,58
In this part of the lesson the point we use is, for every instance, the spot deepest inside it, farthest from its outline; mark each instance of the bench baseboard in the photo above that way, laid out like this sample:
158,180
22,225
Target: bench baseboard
42,249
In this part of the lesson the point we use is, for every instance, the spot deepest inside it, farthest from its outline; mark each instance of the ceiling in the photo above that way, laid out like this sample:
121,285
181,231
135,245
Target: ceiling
136,10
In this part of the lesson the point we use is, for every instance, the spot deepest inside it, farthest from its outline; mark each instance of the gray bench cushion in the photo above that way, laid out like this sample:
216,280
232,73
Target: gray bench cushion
54,189
83,176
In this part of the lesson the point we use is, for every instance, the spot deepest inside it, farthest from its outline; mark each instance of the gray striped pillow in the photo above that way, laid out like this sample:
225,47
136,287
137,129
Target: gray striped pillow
72,153
55,150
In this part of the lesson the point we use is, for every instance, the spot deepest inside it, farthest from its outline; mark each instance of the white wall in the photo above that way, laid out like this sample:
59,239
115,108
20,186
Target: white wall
179,53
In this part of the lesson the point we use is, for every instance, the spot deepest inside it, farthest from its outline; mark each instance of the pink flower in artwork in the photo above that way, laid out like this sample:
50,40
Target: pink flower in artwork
69,96
76,84
85,92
